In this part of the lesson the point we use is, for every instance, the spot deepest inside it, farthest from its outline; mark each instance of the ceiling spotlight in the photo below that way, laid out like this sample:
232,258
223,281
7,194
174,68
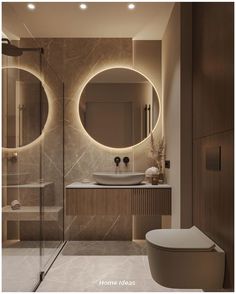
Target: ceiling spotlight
131,6
83,6
31,6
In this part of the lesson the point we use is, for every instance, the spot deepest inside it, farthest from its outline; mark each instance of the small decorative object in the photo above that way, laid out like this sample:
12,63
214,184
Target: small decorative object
155,179
157,154
161,178
85,181
150,172
15,205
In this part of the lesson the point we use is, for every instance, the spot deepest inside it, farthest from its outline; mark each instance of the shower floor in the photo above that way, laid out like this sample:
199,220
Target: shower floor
102,266
21,264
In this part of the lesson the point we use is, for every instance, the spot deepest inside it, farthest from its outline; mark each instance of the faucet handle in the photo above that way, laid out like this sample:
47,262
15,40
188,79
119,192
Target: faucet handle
126,160
117,160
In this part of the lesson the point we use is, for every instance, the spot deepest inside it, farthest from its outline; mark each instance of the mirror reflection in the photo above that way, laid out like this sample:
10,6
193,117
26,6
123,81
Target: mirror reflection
25,107
119,107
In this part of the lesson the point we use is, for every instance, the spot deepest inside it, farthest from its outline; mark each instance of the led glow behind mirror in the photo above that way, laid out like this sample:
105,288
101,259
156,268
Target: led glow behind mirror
119,107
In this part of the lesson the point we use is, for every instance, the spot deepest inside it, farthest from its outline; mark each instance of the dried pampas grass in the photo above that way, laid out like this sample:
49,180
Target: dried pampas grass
157,153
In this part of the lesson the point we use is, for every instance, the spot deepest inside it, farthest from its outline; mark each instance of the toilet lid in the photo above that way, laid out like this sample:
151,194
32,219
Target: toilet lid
180,239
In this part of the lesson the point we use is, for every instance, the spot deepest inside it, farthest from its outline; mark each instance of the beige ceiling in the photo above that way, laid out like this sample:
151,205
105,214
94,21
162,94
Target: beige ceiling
101,19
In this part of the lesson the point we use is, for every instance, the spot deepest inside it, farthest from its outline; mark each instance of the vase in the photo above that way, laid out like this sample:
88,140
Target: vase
161,178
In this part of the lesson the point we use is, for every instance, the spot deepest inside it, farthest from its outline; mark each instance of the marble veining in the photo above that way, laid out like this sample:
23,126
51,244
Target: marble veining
100,227
43,161
21,264
80,58
102,267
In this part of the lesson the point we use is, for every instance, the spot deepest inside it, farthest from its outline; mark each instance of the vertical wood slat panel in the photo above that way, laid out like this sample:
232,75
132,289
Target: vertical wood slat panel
113,201
213,125
151,201
98,202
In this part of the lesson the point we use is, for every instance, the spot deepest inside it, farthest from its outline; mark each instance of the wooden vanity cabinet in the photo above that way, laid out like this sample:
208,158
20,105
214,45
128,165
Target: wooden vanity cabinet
118,201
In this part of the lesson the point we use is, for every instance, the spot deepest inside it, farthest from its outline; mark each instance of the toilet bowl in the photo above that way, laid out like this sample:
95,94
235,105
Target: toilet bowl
185,259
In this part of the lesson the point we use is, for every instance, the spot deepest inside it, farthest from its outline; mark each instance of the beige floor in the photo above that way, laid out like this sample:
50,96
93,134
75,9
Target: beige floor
102,266
21,264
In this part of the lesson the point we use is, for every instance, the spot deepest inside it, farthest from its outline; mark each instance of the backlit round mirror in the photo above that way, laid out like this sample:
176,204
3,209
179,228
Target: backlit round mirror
25,107
119,107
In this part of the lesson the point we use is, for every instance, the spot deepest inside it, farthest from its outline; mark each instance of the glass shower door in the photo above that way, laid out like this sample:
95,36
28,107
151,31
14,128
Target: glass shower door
52,169
21,171
32,158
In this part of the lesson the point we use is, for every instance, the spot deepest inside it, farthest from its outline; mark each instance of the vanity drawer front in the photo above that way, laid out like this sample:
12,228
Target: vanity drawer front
113,201
98,202
80,201
151,201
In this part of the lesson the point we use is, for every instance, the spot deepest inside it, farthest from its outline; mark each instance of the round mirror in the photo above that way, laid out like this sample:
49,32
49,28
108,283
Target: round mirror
25,107
119,107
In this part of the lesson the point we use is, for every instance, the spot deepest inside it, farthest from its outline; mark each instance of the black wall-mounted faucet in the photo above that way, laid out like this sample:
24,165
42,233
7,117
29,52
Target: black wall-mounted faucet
117,160
126,161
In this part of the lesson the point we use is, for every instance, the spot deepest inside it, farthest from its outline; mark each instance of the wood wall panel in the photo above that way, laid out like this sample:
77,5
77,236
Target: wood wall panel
213,67
213,101
213,199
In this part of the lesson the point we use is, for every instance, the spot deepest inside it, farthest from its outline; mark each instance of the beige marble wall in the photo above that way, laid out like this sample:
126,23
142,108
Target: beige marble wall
43,161
76,60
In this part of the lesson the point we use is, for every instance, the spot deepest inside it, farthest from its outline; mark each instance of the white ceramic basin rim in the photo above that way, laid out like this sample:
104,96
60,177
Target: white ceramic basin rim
119,179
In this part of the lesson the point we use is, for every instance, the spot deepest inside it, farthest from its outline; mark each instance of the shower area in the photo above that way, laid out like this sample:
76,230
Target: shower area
32,161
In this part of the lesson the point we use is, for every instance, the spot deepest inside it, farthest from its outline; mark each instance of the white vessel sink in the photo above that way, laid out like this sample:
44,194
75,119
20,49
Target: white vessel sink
15,178
118,179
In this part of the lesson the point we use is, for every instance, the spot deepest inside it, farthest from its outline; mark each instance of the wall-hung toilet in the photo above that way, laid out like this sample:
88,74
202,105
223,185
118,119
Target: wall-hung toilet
185,259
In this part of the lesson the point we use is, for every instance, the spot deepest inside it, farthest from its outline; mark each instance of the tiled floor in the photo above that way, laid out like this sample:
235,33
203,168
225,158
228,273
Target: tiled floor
21,264
102,266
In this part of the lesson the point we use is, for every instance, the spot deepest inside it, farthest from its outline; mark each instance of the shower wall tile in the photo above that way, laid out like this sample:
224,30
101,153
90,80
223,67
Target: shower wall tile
31,197
74,59
43,160
51,230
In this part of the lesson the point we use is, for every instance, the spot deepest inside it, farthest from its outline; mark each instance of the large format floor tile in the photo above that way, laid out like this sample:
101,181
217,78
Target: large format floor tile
102,266
21,264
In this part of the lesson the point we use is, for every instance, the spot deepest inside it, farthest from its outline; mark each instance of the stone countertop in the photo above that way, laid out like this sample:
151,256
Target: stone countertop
93,185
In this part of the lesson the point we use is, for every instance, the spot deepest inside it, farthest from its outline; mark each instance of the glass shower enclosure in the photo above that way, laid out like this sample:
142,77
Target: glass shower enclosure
32,166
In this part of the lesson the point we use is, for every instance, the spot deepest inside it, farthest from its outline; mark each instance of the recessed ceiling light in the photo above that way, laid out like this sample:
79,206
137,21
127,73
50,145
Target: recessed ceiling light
83,6
131,6
31,6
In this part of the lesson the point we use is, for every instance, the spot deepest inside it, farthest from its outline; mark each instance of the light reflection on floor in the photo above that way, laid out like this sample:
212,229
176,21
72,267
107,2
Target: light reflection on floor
102,266
21,264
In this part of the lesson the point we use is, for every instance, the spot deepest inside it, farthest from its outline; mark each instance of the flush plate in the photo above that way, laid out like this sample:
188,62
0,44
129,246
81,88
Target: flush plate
213,158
